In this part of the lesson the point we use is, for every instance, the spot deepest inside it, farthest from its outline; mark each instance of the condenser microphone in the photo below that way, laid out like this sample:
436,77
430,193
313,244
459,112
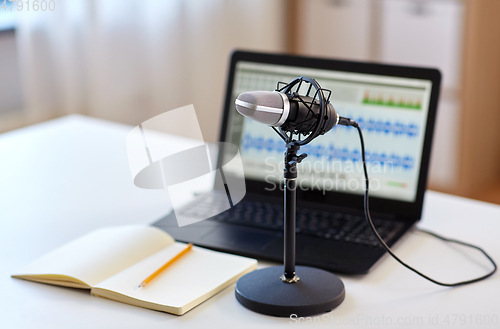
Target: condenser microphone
278,109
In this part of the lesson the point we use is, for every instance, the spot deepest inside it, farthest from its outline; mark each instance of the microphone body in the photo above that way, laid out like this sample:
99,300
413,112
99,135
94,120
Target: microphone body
278,109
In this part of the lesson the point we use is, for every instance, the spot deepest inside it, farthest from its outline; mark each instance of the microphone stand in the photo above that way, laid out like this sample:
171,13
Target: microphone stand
277,290
265,291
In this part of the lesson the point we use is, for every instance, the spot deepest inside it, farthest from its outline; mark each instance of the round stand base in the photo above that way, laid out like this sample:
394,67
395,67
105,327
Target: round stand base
317,291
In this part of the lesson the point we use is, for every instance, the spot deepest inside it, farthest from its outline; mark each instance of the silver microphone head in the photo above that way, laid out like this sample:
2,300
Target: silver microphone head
268,107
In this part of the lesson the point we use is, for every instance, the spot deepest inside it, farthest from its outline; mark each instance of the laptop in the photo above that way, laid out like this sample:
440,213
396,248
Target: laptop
396,108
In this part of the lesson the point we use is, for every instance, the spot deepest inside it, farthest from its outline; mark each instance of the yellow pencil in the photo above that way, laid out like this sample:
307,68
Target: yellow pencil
167,264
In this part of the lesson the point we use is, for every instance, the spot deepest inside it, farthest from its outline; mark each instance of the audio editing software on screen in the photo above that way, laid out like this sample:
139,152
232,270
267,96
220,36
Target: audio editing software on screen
391,111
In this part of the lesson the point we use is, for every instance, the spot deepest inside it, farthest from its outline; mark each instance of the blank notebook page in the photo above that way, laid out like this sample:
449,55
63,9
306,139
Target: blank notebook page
193,276
100,254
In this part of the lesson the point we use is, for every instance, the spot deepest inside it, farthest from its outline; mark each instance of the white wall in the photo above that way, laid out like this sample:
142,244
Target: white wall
340,29
127,61
11,97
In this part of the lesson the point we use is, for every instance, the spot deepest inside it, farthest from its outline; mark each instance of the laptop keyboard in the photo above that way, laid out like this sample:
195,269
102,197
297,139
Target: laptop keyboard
324,224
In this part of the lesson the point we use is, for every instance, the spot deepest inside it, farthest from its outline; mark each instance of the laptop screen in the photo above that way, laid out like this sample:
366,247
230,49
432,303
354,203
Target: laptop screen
392,112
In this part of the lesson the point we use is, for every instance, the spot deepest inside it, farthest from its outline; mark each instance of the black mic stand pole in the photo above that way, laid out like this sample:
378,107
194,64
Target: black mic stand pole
290,190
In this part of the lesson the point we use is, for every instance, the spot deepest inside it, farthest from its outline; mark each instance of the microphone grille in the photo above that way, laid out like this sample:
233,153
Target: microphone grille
263,98
266,99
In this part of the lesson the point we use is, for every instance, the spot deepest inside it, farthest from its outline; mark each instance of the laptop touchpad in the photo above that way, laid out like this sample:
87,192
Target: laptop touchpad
240,238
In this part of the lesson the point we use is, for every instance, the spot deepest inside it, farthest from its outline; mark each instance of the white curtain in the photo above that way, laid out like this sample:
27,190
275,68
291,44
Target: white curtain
127,60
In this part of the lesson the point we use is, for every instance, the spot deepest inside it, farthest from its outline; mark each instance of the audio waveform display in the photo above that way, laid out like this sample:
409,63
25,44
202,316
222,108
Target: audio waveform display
387,127
330,152
406,102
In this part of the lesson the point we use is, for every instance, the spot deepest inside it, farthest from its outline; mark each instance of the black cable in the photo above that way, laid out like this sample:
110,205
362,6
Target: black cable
349,122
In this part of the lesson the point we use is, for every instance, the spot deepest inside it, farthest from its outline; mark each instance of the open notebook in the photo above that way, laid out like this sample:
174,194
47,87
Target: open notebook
112,262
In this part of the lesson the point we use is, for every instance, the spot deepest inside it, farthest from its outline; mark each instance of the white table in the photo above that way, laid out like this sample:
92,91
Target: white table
67,177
